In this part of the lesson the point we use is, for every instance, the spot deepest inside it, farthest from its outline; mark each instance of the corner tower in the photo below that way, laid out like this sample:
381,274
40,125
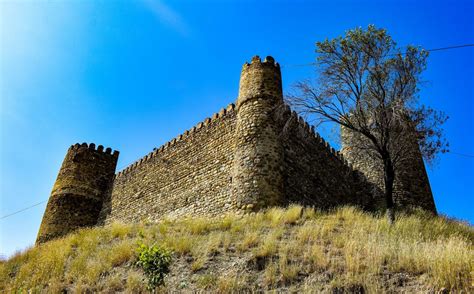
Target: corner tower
411,187
258,160
84,180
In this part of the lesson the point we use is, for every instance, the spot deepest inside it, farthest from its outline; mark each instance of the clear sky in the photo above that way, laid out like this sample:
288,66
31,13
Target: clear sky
134,74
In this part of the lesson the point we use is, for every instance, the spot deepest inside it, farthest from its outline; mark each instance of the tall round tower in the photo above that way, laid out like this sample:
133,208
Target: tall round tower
85,178
258,159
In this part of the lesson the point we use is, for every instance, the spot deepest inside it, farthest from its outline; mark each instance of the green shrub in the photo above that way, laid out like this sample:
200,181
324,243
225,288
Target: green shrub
155,262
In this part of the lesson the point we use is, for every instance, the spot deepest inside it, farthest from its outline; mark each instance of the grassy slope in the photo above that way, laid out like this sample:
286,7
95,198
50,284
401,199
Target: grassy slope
285,249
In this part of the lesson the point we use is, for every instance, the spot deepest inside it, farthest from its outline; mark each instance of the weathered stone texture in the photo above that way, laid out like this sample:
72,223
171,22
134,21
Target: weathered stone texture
84,181
315,174
191,175
411,187
258,163
244,158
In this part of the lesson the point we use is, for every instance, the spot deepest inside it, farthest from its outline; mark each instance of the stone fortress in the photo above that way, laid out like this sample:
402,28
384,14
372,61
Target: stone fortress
248,156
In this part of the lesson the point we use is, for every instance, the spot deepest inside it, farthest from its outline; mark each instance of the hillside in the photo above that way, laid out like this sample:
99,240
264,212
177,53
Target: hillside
294,249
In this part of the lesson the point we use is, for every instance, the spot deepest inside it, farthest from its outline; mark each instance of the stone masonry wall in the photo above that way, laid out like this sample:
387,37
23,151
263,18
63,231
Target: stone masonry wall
258,161
315,174
189,175
84,181
192,174
411,187
256,155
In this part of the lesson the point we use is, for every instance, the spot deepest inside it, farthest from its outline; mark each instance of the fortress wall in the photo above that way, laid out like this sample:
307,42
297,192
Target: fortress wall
83,183
315,174
189,175
259,156
411,187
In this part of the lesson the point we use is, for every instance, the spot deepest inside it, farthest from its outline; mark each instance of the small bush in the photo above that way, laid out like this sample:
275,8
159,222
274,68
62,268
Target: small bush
342,250
155,262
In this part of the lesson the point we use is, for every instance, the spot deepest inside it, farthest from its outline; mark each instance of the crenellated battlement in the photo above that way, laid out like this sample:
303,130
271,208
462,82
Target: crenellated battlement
208,122
260,80
310,132
255,154
92,147
84,181
257,62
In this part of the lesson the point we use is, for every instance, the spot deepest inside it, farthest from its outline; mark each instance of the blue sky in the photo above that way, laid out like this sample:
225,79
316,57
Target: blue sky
133,74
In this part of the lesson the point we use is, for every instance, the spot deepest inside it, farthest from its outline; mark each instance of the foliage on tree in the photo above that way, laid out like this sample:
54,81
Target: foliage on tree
155,262
370,86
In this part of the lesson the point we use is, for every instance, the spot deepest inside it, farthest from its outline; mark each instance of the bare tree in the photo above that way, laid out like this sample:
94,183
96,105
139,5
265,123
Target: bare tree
369,86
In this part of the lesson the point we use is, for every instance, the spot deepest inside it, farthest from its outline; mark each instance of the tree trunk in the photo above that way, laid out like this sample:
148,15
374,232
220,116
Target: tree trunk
389,178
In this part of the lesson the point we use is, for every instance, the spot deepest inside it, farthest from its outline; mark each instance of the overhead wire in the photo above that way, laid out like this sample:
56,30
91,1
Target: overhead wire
429,50
290,65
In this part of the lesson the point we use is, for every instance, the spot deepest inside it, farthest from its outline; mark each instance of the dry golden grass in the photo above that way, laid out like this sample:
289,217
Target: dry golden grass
206,281
286,246
250,240
232,284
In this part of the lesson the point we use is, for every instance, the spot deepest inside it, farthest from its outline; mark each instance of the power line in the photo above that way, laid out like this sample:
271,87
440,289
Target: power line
451,47
36,204
429,50
26,208
291,65
23,209
461,154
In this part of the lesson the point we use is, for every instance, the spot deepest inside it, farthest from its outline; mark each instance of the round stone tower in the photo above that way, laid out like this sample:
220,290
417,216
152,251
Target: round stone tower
258,160
84,180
